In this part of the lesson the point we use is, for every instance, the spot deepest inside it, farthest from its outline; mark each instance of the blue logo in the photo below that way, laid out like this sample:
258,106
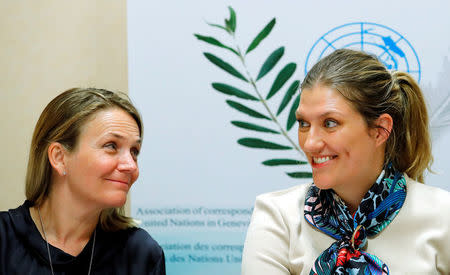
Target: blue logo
388,45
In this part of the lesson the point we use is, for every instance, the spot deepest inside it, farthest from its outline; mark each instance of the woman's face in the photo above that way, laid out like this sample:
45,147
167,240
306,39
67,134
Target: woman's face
103,165
335,138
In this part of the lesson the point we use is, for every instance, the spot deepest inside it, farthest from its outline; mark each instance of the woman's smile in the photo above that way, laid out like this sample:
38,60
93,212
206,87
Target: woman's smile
121,182
321,161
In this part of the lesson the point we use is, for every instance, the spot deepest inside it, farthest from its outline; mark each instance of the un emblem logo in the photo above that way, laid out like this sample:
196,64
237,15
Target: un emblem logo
388,45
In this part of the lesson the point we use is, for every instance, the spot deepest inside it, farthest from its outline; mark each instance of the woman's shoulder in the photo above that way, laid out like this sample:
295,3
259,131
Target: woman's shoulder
15,219
427,204
137,239
133,243
286,203
5,224
285,196
422,192
141,245
4,216
19,210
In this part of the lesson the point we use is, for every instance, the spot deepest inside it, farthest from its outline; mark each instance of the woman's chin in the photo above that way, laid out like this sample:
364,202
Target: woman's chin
118,200
323,183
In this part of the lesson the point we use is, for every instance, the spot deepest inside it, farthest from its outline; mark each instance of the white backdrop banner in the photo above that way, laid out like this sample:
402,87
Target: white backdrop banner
217,96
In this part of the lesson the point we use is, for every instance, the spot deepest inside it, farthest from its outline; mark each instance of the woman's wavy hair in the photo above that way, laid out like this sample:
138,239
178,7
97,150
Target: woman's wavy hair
61,121
364,81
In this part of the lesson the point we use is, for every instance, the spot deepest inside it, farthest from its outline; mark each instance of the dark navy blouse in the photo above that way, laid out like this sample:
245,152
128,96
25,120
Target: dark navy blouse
24,251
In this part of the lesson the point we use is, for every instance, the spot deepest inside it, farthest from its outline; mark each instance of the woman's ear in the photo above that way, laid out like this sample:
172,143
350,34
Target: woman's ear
383,128
57,155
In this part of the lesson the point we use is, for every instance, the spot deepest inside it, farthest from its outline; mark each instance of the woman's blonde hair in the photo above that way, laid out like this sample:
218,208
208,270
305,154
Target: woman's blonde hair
61,121
373,90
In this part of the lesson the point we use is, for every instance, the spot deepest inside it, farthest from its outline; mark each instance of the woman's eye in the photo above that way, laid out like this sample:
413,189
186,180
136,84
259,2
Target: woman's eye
303,124
111,146
330,123
135,152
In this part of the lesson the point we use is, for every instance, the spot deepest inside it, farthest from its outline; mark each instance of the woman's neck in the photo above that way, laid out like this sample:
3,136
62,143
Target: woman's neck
68,224
353,193
352,197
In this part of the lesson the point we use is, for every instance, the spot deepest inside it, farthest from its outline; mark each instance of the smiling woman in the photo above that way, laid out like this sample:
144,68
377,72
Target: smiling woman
82,163
365,133
337,142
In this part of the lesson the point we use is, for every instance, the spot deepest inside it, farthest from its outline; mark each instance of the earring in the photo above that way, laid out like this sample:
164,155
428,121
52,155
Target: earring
64,173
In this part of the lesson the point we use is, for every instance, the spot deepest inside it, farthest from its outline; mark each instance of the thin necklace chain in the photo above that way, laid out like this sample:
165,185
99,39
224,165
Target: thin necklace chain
48,248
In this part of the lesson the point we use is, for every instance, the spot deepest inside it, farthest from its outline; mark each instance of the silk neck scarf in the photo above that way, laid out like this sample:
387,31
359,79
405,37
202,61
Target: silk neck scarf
328,213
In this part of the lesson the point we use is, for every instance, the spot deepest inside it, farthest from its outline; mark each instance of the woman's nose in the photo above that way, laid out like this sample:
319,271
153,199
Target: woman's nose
127,163
314,142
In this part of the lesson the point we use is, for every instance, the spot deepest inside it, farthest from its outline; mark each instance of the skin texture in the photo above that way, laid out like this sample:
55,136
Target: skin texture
96,175
329,126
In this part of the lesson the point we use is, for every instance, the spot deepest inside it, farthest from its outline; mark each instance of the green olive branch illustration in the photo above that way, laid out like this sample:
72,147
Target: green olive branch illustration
282,78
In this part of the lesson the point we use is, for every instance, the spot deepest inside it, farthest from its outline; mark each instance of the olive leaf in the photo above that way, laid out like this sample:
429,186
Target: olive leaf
246,110
270,62
230,90
263,34
288,96
231,23
218,26
282,77
292,118
300,175
215,42
224,66
276,162
259,143
254,127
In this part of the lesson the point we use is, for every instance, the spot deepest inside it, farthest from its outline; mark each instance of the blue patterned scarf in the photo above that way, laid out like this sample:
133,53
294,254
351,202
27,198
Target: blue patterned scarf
328,213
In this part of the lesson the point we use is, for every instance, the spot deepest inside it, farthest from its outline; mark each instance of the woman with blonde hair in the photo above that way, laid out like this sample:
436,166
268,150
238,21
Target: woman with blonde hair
82,163
365,133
